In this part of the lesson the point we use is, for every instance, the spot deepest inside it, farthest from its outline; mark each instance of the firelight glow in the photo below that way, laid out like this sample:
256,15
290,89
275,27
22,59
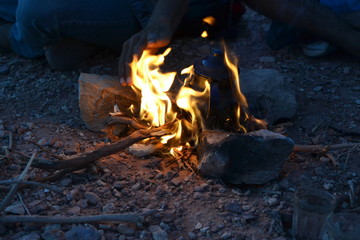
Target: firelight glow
157,108
204,34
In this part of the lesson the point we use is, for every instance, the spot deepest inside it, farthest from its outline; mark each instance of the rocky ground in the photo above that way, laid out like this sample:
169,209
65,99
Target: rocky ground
41,105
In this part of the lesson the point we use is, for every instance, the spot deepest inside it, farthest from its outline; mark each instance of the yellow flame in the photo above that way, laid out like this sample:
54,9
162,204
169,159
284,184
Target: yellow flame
156,106
209,20
231,62
132,108
204,34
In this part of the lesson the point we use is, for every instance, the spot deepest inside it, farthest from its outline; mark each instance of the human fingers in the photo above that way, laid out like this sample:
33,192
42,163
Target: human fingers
121,64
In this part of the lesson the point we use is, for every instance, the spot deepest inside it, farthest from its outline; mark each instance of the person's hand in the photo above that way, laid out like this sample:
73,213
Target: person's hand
151,38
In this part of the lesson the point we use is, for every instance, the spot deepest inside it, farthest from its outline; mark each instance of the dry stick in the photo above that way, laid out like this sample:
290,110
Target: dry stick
84,159
134,218
323,148
23,204
52,188
10,140
125,120
58,174
348,154
23,155
46,150
15,187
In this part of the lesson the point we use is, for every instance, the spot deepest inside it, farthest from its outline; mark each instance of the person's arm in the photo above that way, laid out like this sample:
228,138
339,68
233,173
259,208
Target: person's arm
163,22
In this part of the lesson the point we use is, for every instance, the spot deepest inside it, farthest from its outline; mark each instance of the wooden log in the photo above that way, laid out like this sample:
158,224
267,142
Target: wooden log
97,97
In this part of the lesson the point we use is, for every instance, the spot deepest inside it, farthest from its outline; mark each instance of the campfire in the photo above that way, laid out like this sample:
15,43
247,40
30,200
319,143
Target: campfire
200,103
200,110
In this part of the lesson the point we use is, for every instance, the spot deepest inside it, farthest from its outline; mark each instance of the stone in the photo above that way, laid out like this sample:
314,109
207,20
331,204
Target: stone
92,198
31,236
87,232
226,235
16,208
267,59
234,207
157,233
109,207
4,69
65,182
97,96
123,229
75,210
53,235
142,150
272,201
198,225
252,158
268,94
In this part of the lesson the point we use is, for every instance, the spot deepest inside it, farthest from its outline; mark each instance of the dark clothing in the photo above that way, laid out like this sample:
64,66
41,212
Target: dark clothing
108,23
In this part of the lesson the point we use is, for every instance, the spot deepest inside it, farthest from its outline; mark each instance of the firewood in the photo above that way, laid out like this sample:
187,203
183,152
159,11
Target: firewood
323,148
15,187
84,159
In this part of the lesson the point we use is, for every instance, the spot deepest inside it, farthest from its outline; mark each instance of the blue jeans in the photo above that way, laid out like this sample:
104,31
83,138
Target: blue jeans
107,23
38,23
341,6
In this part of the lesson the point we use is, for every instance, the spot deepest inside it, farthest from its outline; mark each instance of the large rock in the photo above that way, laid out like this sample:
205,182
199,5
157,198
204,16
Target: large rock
97,96
251,158
268,94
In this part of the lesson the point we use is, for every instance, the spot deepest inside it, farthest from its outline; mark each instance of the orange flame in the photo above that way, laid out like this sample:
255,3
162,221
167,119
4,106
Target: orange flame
231,62
204,34
209,20
157,108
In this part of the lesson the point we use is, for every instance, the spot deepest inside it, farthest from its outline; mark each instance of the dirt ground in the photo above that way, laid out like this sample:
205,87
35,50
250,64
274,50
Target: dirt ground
40,105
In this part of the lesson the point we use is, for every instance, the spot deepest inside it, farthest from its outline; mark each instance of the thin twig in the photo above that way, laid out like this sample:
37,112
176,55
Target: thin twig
15,187
23,204
134,218
125,120
333,159
47,150
84,159
351,193
52,188
59,174
323,148
348,154
10,140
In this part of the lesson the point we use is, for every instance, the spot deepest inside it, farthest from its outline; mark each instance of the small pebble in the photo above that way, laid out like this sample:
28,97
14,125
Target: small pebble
246,207
16,208
92,198
198,226
317,89
226,235
267,59
272,201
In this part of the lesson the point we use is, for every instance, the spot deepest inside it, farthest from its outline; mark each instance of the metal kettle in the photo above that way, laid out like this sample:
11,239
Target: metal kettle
222,103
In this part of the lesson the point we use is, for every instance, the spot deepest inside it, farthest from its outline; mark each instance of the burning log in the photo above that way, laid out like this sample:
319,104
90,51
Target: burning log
251,158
